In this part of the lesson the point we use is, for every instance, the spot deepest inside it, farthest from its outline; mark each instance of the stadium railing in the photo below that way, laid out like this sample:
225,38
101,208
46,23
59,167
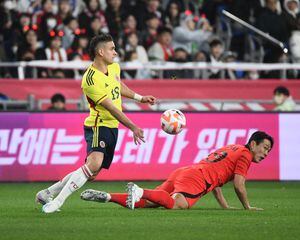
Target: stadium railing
155,65
32,104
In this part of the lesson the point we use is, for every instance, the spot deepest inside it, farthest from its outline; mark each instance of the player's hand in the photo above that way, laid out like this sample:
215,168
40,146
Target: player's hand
138,135
232,208
148,99
255,209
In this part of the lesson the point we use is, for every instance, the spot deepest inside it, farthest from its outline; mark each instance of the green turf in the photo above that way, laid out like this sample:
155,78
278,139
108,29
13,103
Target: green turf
20,219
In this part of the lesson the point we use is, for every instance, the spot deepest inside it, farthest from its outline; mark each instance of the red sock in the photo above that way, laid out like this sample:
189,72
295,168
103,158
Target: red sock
159,197
120,198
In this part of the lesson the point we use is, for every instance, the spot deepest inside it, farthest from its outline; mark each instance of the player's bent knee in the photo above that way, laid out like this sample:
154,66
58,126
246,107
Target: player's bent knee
94,161
180,201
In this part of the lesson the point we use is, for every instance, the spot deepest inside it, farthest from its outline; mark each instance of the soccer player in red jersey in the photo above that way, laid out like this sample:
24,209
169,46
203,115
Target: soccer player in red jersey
186,185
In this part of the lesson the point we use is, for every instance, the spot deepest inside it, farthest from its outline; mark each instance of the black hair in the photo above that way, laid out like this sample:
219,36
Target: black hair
282,90
101,38
58,97
162,30
259,137
215,42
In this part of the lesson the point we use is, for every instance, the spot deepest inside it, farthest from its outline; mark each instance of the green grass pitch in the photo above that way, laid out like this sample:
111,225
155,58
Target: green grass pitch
21,219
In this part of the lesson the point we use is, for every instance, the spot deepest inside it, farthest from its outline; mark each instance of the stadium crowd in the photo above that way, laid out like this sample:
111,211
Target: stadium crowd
146,30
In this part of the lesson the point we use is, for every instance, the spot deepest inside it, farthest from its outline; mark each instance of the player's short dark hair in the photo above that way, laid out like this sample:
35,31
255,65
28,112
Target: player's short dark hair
101,38
281,90
58,97
259,137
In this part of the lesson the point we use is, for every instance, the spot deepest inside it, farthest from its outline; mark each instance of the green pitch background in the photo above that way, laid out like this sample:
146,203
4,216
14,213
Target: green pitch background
21,219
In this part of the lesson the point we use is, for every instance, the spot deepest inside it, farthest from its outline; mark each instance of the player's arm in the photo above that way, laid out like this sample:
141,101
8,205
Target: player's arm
240,190
127,92
138,133
220,197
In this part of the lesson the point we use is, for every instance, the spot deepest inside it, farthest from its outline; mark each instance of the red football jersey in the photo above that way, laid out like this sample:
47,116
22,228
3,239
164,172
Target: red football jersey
220,166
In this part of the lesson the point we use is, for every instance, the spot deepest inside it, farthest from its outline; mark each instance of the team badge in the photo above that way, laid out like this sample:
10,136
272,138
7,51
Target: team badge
102,144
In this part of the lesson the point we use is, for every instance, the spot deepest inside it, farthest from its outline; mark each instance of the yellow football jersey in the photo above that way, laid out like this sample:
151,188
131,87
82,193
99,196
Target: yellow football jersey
98,86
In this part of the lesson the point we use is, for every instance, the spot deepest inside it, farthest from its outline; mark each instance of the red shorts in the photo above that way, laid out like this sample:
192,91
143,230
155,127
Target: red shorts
188,181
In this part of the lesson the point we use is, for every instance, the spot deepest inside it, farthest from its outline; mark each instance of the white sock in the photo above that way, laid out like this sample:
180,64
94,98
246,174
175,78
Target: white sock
58,186
76,181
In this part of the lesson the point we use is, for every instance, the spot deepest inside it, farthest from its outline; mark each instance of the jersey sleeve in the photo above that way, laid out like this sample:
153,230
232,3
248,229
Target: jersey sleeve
95,93
243,164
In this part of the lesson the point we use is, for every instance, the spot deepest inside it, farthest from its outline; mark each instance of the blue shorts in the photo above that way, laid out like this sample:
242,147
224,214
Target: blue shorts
101,139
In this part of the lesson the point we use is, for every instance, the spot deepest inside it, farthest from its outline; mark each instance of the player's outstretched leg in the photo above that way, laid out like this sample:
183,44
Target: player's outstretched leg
96,196
118,198
159,197
76,181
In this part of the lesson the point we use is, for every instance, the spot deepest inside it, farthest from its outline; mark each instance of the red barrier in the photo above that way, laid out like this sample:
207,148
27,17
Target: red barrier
175,89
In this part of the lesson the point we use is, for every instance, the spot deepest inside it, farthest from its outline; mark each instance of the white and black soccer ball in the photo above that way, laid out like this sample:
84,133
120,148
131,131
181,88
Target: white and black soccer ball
172,121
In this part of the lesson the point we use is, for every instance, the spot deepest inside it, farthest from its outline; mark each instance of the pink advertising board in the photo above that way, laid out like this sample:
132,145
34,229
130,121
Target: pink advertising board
47,146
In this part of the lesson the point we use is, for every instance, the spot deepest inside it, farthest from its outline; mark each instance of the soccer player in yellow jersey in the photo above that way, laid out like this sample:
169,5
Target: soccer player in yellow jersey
103,89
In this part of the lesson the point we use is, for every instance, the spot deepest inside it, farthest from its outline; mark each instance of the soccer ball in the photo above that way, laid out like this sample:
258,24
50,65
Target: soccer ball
172,121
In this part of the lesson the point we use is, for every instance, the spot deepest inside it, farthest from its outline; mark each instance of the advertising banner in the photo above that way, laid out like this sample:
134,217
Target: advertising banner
47,146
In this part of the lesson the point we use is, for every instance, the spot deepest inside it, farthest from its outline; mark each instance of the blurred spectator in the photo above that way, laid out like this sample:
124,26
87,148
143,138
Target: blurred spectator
180,56
144,10
25,6
148,35
283,99
7,16
171,16
3,97
230,57
200,56
64,11
96,28
48,23
162,50
27,49
132,44
292,16
69,27
129,26
47,9
58,102
216,52
131,56
114,14
53,51
186,35
79,47
273,23
252,75
91,11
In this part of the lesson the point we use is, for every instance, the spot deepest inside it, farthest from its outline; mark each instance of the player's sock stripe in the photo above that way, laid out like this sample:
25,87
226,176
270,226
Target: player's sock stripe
88,170
84,171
